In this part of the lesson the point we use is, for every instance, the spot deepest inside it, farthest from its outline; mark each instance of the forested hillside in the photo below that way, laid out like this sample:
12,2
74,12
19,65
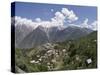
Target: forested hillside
69,55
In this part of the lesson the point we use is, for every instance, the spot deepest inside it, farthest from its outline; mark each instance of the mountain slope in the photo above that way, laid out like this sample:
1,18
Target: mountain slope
71,33
67,55
21,32
43,35
35,38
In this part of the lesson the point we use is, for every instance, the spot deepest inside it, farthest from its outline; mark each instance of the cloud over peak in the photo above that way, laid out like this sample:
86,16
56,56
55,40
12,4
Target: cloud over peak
34,24
69,14
38,20
58,20
64,15
92,26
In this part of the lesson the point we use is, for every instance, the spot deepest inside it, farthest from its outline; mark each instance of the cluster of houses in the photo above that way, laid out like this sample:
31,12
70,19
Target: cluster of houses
52,56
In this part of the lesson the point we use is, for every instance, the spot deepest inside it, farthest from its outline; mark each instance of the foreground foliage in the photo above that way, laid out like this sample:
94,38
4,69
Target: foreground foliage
68,55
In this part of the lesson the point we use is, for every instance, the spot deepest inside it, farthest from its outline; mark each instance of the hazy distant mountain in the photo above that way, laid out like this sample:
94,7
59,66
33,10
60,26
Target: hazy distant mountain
71,33
29,34
21,30
42,35
36,37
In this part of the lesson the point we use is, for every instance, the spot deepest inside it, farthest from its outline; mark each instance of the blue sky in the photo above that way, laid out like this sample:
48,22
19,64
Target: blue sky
47,11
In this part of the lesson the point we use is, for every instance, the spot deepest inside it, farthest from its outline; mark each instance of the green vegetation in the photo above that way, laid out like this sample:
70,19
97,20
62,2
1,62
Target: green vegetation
68,55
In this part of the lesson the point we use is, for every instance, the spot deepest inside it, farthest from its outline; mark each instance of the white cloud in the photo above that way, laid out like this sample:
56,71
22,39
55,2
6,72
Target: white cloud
23,21
58,19
64,15
38,20
93,25
70,15
36,23
59,16
85,23
52,10
65,11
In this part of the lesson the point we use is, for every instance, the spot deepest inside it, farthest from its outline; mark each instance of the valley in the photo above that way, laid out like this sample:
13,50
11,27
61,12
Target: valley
68,55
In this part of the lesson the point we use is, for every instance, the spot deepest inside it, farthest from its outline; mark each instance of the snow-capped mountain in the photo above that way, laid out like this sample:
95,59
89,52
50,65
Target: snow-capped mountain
29,34
22,29
43,35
